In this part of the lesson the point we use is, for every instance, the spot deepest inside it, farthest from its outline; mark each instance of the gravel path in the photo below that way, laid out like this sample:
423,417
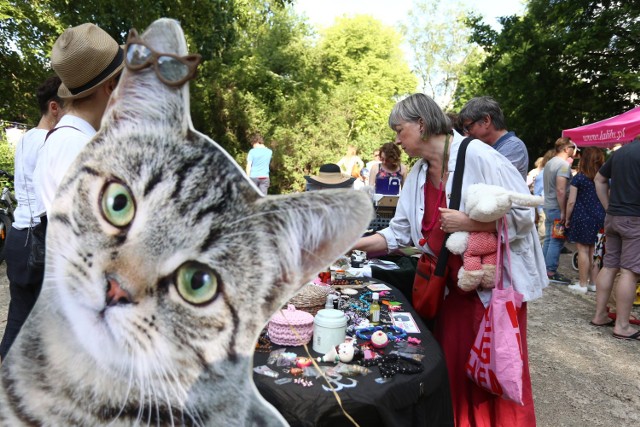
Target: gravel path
581,375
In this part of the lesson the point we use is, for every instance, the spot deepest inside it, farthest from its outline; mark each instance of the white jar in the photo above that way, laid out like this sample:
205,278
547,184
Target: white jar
329,329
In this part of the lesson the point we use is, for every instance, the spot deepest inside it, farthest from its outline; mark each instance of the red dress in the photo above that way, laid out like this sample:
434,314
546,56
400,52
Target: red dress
455,328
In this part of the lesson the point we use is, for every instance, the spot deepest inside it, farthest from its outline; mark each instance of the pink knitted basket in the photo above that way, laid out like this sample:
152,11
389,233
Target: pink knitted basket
283,324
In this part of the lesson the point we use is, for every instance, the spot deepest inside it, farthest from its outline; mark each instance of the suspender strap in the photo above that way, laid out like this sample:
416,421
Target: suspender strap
59,127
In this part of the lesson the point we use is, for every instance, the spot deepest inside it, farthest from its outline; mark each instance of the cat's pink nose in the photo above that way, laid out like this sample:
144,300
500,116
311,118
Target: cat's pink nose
116,295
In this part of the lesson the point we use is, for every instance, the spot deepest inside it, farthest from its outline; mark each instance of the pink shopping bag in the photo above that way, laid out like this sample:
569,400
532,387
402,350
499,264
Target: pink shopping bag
495,362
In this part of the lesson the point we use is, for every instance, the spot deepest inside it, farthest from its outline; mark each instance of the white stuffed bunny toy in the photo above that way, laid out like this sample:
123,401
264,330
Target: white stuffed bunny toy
485,203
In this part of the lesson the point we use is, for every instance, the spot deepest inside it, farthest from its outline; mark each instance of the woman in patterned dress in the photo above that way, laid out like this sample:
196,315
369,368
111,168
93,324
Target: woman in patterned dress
585,216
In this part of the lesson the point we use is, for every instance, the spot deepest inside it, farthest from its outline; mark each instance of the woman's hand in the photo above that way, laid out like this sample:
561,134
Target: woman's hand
452,220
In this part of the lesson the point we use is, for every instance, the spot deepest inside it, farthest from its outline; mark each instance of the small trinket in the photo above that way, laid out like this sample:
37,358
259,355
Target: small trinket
303,362
379,339
303,382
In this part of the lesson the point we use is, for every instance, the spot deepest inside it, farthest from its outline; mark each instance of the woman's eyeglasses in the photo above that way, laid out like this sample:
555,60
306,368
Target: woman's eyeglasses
172,70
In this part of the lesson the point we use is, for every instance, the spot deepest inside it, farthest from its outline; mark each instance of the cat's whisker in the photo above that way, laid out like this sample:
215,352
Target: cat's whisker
180,393
125,400
161,373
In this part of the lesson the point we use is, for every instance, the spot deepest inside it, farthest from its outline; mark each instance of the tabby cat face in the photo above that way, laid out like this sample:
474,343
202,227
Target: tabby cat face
162,254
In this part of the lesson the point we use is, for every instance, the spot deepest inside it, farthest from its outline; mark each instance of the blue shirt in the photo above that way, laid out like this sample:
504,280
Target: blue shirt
259,157
538,185
512,147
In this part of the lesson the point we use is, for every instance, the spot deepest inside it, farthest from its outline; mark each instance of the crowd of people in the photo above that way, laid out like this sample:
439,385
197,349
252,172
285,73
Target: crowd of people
573,210
598,205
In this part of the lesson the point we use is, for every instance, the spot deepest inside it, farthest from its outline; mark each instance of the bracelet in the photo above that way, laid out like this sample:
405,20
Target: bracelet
401,333
362,299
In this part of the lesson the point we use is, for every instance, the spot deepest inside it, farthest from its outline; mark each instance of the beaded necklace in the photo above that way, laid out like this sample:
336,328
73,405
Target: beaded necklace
363,304
392,364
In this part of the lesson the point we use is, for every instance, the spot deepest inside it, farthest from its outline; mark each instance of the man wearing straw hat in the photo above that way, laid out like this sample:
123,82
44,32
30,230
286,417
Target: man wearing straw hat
330,176
89,62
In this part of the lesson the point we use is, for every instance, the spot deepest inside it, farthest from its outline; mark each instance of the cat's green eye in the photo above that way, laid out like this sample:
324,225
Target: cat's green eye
117,205
196,283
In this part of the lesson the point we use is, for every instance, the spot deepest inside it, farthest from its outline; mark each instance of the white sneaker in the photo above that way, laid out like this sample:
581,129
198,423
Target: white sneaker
577,288
591,287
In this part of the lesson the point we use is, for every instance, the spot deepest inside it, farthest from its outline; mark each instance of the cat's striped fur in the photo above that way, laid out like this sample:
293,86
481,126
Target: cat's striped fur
114,338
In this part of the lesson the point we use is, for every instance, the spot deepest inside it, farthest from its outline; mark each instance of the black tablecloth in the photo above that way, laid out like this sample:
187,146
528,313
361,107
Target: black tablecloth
407,400
402,278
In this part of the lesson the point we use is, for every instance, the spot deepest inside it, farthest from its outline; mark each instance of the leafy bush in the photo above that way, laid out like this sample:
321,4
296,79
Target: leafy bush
7,153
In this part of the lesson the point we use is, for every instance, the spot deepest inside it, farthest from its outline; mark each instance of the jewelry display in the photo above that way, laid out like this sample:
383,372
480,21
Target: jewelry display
385,346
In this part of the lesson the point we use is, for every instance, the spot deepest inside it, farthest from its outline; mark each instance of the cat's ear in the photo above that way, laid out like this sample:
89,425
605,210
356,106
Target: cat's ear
141,97
316,228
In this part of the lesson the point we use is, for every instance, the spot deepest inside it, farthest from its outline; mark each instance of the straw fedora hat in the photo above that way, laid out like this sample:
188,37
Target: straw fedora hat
330,176
84,57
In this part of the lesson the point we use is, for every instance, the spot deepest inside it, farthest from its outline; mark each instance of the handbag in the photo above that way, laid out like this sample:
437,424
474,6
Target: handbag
496,362
355,170
557,232
428,287
38,250
427,293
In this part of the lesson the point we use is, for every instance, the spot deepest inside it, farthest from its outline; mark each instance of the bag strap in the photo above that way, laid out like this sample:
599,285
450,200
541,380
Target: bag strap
503,235
456,197
59,127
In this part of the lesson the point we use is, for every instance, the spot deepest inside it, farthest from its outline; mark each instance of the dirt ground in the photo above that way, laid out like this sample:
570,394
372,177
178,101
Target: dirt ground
581,375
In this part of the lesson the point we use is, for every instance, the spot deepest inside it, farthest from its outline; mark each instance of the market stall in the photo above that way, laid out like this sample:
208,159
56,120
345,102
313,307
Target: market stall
606,133
412,390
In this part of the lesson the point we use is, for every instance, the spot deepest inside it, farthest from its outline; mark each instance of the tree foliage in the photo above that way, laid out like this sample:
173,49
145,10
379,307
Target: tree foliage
264,70
439,40
564,63
364,69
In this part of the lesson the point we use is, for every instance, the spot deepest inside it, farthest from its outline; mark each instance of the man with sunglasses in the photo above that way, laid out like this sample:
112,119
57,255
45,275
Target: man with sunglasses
88,62
557,175
482,118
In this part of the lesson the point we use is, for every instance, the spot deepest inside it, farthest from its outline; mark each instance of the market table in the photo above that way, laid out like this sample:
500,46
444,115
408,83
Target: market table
420,399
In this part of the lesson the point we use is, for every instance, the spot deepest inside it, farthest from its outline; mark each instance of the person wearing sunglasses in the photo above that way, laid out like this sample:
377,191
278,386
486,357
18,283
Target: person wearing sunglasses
88,62
482,118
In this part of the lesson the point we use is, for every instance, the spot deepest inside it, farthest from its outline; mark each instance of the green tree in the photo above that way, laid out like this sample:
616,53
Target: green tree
27,33
562,64
364,67
439,40
7,154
